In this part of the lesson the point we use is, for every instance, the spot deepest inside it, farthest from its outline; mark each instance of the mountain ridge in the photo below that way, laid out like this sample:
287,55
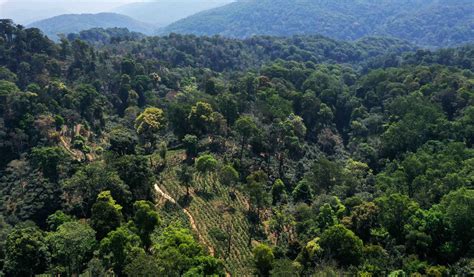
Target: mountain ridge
346,20
169,11
74,23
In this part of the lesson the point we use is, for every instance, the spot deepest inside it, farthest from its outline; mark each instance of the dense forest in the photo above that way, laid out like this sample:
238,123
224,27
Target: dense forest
429,23
180,155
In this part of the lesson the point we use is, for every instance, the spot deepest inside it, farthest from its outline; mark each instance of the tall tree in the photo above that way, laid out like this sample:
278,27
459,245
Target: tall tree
82,189
106,214
117,247
263,258
72,246
229,176
146,219
246,127
185,176
148,124
26,251
342,245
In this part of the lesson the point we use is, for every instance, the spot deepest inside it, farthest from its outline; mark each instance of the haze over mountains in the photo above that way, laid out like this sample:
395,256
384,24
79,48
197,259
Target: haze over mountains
144,17
28,11
74,23
164,12
426,23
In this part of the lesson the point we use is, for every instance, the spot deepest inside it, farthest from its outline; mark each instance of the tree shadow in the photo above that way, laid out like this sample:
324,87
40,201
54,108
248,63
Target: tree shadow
205,195
185,200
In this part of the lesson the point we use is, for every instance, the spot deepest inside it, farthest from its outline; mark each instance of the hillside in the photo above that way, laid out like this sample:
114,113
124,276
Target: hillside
74,23
430,23
268,156
213,215
164,12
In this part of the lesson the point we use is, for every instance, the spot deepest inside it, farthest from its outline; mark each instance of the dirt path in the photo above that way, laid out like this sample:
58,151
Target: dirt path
190,216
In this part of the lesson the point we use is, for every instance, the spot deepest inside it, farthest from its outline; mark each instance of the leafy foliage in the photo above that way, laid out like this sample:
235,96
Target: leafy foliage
322,157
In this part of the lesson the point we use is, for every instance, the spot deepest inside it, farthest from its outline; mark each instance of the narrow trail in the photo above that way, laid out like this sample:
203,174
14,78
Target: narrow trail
190,216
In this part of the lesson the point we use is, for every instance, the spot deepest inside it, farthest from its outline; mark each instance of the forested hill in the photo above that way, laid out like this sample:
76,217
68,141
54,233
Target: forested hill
209,156
428,23
226,54
74,23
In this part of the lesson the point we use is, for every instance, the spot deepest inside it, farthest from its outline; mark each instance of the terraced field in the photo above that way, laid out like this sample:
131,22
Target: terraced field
213,207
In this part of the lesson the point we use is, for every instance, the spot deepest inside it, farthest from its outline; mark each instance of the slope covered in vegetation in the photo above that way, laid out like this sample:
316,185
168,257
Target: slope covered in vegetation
431,23
293,156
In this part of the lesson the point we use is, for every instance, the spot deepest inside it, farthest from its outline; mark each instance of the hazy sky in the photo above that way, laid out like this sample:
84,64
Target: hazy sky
27,11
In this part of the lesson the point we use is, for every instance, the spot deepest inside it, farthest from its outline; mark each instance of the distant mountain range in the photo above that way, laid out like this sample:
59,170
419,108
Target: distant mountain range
25,12
143,17
429,23
426,23
164,12
74,23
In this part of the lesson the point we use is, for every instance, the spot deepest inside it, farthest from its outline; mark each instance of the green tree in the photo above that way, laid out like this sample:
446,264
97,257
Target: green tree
395,212
26,251
176,250
146,219
263,258
57,219
229,176
326,217
48,160
128,67
287,139
142,265
228,106
72,245
135,171
82,189
7,75
206,266
106,214
8,88
117,247
206,163
246,127
89,103
278,192
122,141
257,190
420,121
311,254
185,176
302,192
280,221
285,267
363,219
342,244
458,207
324,175
148,124
190,143
203,119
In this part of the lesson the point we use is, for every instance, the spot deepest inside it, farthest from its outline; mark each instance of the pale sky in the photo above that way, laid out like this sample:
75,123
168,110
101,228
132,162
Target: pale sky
28,11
